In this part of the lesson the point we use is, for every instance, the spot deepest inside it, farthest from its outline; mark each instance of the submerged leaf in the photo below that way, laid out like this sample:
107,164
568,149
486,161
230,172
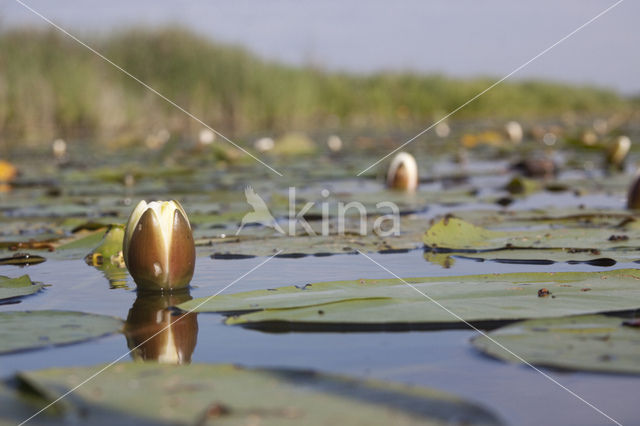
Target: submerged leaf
592,343
37,329
135,393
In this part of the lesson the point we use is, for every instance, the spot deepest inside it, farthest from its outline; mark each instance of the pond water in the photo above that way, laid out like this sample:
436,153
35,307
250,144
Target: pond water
440,359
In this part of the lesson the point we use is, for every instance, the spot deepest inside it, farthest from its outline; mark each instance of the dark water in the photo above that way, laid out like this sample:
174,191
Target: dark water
439,359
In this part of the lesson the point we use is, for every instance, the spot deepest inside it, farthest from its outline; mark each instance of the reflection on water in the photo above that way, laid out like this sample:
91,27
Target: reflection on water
107,257
156,333
116,274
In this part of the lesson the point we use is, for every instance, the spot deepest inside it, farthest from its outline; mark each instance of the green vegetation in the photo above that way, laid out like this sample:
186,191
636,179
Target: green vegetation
52,87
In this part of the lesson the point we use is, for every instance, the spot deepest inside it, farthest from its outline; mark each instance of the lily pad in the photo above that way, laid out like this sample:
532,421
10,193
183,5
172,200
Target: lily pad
391,304
555,217
22,259
16,287
550,256
26,330
591,343
347,242
227,394
78,247
452,234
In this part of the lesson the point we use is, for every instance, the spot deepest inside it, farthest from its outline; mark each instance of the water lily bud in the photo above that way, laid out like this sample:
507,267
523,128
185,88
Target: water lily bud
158,246
633,198
334,143
514,131
403,172
617,152
442,129
264,144
206,137
59,148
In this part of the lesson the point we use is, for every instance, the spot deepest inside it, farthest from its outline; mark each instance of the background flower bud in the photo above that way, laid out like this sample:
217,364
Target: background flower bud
158,246
403,172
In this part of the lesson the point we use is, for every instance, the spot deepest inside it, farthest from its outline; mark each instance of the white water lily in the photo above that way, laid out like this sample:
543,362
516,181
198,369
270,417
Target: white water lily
617,152
403,172
158,246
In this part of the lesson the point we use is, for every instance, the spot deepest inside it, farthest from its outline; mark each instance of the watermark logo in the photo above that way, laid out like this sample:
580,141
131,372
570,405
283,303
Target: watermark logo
260,214
354,213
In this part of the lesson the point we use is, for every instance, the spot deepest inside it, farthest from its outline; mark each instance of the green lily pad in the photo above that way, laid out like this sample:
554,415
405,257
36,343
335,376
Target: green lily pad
79,246
16,287
110,245
107,257
596,237
26,330
392,304
227,394
347,242
455,235
571,217
591,343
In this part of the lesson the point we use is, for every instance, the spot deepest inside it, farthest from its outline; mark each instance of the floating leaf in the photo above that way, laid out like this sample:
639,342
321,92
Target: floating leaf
131,393
522,186
22,259
592,343
392,304
107,257
347,242
16,287
110,246
83,243
457,235
37,329
548,217
549,256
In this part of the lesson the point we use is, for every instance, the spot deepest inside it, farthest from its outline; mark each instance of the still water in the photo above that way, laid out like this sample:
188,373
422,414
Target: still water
441,359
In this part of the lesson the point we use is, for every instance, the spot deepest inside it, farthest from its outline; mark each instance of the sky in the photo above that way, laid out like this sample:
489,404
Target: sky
456,37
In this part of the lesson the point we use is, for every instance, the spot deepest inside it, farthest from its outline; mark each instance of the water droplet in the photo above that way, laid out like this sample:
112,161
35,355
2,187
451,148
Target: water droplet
157,269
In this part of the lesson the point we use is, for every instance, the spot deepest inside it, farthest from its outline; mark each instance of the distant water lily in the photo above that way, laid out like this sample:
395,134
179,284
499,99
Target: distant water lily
617,152
158,246
403,172
514,131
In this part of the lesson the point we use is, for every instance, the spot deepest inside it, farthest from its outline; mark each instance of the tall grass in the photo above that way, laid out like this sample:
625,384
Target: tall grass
52,87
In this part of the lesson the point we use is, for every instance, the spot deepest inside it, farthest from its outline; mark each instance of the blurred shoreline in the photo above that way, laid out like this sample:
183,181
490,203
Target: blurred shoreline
50,87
